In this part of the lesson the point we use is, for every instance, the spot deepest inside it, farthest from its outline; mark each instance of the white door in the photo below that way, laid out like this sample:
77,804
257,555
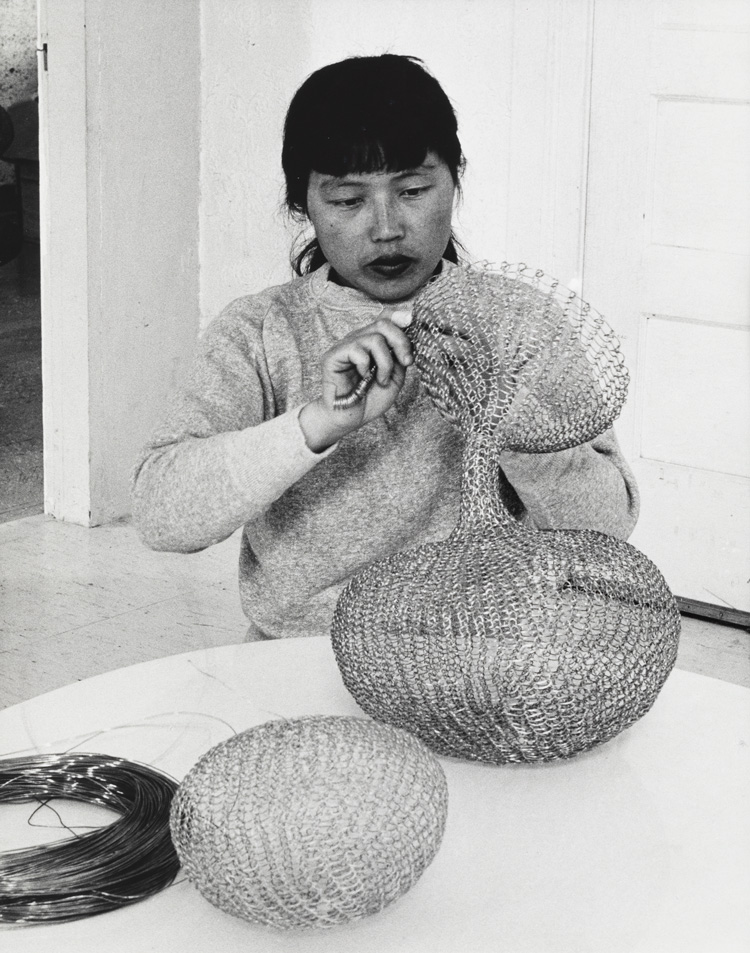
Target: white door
667,259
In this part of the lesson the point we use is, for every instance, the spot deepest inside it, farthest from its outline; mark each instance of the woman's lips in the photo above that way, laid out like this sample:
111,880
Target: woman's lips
390,266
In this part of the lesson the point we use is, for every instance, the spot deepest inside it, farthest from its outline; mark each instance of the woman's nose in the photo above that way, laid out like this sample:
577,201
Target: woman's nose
387,222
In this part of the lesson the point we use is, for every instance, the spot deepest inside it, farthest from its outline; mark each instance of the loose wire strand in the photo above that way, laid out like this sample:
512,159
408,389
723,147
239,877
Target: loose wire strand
101,870
65,746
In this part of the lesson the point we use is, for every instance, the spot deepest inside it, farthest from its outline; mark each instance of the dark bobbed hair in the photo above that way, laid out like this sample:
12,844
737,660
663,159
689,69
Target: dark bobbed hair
365,114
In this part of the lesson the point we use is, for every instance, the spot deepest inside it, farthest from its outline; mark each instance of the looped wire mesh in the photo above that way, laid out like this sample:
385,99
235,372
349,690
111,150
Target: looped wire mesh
310,822
513,356
504,643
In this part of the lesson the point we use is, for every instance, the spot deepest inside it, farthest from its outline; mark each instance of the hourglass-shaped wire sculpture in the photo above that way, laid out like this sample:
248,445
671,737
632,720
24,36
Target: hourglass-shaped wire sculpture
504,643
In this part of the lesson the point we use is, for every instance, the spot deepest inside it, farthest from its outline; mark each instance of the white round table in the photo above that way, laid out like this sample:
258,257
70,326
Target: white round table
640,845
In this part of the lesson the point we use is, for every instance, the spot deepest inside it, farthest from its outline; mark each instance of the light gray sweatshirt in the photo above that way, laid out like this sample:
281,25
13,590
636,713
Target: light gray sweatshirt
231,453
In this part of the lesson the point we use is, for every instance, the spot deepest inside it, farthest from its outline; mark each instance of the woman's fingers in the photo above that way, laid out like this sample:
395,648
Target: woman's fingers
383,359
385,331
355,355
398,341
367,369
402,319
380,345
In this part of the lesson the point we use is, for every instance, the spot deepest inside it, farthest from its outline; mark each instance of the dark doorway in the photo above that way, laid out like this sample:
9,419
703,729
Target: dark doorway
21,465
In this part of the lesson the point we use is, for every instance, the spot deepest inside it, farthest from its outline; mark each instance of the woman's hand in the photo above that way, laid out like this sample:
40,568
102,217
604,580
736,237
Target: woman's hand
382,346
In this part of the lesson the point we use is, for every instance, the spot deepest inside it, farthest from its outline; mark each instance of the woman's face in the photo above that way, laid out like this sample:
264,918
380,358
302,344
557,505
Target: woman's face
384,232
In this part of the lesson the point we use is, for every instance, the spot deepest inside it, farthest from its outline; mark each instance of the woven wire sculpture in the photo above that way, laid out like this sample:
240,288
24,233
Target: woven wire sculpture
310,822
101,870
504,643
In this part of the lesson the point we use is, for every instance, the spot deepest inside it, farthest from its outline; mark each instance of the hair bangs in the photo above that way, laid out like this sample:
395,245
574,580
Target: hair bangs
368,152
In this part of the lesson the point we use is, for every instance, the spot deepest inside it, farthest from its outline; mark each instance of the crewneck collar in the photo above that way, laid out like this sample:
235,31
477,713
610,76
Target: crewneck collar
340,298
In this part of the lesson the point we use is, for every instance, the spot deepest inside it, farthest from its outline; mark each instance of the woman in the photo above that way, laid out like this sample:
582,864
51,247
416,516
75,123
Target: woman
372,159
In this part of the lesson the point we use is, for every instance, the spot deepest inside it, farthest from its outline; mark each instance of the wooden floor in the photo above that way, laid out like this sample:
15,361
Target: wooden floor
76,602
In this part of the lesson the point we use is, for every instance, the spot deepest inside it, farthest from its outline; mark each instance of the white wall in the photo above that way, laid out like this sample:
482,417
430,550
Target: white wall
256,54
143,165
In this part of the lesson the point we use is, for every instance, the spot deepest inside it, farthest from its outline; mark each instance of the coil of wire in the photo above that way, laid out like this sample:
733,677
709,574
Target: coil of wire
100,870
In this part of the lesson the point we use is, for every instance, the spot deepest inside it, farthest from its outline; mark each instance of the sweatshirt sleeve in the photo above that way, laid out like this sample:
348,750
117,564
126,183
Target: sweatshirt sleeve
223,454
585,487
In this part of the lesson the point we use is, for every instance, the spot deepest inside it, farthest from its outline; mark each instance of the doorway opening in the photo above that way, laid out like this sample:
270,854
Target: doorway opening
21,455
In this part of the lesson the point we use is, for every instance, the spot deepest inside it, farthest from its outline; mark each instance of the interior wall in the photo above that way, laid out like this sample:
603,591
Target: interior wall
143,61
255,55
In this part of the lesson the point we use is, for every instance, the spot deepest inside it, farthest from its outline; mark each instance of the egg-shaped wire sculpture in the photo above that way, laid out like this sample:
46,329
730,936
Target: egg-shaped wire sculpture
506,643
310,822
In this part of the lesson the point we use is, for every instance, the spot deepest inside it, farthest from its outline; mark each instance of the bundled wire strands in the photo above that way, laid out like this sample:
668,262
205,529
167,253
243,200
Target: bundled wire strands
504,643
351,399
103,869
310,822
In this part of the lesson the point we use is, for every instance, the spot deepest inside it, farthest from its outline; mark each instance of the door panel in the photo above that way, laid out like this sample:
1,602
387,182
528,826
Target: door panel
713,359
667,258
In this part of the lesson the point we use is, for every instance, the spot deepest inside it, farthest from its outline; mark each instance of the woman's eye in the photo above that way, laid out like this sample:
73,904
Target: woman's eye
347,203
416,191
